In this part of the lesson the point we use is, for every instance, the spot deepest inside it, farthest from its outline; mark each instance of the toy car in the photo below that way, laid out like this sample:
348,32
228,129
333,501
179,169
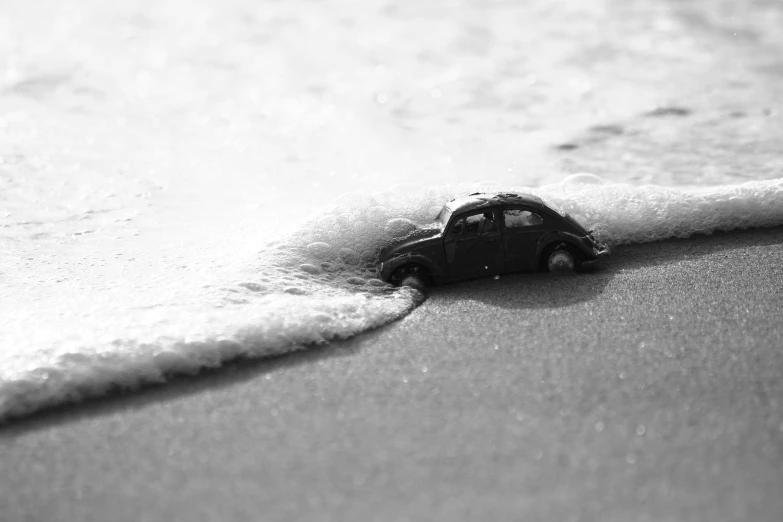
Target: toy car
487,235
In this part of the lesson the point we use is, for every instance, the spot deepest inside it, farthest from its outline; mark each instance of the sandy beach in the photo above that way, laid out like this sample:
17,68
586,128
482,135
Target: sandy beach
181,183
647,388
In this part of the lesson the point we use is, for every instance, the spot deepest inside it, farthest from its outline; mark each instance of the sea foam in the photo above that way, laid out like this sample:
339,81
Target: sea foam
312,286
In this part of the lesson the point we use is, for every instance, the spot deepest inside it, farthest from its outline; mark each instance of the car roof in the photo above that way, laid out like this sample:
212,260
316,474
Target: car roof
480,200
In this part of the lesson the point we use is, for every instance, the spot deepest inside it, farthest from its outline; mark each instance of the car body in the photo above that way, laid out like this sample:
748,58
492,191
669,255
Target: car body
486,235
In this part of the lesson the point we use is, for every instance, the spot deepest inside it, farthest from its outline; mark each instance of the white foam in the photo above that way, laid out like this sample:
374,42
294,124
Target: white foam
309,287
630,214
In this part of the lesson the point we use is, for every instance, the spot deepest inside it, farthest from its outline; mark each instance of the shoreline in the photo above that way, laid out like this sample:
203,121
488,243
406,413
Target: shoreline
661,399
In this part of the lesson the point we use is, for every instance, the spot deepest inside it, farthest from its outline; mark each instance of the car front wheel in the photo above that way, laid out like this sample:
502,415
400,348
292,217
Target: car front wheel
412,276
413,281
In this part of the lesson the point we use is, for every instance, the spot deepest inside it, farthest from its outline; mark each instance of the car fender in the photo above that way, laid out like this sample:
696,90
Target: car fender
393,264
559,236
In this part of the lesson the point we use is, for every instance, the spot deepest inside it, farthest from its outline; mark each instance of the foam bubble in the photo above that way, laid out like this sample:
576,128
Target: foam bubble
309,287
399,227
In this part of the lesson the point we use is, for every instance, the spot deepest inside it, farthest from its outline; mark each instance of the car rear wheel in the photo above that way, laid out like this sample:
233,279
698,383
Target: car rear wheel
563,259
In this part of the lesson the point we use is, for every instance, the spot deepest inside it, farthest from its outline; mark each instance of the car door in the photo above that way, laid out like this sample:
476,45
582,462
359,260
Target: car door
521,229
473,245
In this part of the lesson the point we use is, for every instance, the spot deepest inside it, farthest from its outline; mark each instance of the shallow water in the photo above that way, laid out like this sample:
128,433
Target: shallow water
181,184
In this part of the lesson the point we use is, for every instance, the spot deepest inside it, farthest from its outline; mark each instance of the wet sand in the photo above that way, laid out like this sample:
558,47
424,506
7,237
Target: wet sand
648,388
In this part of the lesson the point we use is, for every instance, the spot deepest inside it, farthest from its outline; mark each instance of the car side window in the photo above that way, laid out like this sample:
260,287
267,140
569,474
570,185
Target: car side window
518,218
458,227
475,224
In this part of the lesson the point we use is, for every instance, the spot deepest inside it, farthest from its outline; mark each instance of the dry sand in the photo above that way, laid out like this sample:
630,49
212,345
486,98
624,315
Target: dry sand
647,389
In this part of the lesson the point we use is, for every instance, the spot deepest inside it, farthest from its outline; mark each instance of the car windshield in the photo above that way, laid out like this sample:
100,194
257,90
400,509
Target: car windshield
443,216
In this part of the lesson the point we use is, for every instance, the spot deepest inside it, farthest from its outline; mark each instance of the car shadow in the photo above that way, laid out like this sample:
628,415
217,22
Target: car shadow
530,290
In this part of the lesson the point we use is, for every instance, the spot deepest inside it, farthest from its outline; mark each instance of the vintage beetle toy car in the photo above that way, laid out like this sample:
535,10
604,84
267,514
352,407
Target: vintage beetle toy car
486,235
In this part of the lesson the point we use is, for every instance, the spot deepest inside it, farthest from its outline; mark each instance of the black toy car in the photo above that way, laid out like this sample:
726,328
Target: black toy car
487,235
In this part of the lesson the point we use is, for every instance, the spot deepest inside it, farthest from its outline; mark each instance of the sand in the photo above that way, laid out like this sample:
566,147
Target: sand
648,388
